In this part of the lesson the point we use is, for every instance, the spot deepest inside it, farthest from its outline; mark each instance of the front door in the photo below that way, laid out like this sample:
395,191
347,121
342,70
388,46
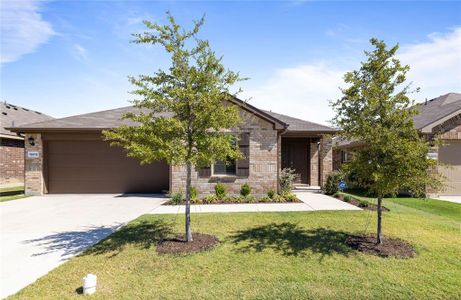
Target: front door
295,155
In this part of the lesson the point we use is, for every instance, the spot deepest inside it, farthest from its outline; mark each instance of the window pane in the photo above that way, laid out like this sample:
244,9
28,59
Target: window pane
227,167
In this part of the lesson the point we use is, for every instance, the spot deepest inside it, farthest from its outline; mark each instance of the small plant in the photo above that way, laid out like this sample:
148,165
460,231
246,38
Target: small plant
209,199
363,203
245,190
251,199
332,182
266,199
177,198
193,193
271,194
347,198
286,178
290,197
336,195
220,190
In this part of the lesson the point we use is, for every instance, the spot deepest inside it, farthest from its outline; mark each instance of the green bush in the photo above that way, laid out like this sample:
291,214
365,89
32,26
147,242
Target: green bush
193,193
290,197
347,198
363,203
220,190
271,194
336,195
286,178
266,199
177,198
245,190
251,199
331,184
210,199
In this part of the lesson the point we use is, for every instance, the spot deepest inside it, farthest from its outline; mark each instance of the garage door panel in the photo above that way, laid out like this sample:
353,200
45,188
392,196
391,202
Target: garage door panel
450,155
95,167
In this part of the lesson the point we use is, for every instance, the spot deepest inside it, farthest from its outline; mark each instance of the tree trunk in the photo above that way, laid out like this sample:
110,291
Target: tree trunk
380,212
188,184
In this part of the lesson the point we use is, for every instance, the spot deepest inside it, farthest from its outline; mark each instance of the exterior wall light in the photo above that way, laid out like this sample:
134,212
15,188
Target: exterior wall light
31,141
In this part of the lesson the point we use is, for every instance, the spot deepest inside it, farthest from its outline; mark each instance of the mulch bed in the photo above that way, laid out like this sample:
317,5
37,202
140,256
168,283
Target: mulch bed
370,206
389,248
201,242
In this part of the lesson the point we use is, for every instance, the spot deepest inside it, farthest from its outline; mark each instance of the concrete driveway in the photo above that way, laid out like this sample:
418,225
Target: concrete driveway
39,233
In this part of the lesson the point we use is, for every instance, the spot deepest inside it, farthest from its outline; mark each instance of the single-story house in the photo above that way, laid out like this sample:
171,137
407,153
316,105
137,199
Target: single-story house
12,143
439,117
68,155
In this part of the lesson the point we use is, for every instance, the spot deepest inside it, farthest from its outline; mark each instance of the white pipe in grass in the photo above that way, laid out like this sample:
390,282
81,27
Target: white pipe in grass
89,284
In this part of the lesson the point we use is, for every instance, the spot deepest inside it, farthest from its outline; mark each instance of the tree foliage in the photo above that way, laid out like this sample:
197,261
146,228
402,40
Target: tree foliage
184,109
375,108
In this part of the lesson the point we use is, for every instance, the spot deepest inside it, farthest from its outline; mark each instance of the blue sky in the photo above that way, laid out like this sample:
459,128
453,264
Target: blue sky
71,57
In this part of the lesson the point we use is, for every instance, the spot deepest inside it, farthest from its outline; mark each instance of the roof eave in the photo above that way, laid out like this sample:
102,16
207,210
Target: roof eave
40,130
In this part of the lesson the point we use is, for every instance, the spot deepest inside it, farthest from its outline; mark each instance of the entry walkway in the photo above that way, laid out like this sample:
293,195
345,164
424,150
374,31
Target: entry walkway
312,201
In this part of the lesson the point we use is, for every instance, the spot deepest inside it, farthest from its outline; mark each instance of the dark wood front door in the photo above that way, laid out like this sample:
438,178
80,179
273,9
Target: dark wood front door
295,155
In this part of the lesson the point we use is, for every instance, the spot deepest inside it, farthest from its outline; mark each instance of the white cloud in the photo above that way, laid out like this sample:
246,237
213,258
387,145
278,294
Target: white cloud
22,29
79,52
435,65
304,91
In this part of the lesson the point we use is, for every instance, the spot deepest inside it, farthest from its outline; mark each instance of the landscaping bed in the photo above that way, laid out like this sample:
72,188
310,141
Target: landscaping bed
178,245
363,204
389,248
237,200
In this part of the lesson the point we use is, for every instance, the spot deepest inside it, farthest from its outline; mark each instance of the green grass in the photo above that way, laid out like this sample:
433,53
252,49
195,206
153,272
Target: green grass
12,189
12,197
12,193
433,207
294,255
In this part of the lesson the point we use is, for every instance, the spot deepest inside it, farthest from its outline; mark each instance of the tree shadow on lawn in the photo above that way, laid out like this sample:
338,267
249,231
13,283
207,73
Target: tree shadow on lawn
291,240
141,234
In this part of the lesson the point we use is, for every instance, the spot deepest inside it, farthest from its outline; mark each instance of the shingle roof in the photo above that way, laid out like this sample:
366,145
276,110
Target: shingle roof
12,115
112,118
295,124
435,109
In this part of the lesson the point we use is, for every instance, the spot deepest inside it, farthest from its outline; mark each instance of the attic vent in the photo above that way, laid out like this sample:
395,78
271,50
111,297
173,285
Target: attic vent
25,109
38,112
7,106
4,113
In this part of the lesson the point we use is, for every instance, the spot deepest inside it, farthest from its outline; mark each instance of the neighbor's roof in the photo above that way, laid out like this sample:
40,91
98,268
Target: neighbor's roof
112,118
437,110
12,115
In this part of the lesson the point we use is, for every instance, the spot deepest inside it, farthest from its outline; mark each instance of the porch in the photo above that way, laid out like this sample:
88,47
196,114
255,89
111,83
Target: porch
310,157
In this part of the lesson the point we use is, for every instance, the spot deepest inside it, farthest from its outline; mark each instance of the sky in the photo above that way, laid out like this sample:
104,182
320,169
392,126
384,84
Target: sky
71,57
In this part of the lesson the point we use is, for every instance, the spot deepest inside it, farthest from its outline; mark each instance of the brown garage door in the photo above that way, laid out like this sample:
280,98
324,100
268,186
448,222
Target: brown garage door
450,154
92,166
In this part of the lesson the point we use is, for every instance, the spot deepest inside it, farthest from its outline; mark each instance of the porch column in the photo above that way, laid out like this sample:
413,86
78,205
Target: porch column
33,164
314,162
326,158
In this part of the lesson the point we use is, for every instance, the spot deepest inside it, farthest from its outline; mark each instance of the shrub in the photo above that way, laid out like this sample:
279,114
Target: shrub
266,199
290,197
286,178
363,203
177,198
210,199
245,190
347,198
336,195
193,193
331,184
220,190
251,199
271,194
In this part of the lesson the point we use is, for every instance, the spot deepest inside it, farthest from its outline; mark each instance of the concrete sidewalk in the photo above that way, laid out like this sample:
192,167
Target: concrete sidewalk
312,201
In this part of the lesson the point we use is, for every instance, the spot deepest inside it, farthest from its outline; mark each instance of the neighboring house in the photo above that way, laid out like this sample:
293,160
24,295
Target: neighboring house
439,117
68,155
12,144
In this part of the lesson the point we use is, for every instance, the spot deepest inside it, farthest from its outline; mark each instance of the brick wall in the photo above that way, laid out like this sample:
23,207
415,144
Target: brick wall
34,166
314,158
327,158
11,161
263,171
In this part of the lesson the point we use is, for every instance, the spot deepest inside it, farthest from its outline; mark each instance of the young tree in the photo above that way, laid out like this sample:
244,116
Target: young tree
182,110
375,108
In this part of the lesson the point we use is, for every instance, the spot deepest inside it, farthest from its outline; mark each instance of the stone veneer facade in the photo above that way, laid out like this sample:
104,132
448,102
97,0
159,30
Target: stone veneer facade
33,179
264,162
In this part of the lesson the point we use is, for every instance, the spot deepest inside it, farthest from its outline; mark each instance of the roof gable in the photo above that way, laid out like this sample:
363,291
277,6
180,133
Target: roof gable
13,115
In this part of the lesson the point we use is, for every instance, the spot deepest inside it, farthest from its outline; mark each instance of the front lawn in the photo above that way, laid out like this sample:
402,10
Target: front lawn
295,255
12,193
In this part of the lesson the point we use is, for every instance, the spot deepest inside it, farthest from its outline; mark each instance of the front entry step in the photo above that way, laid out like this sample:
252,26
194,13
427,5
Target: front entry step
306,188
